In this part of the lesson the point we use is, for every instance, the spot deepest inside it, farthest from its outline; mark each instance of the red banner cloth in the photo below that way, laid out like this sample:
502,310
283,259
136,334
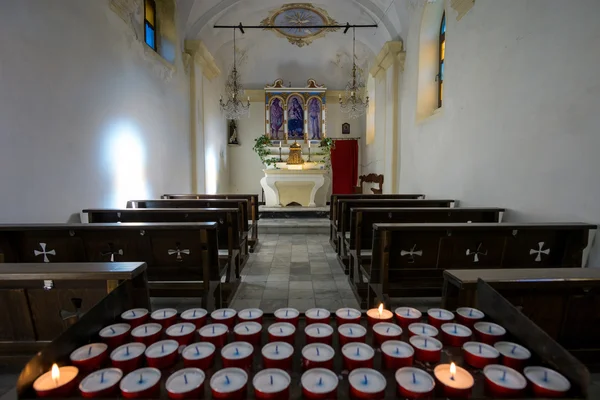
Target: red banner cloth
344,164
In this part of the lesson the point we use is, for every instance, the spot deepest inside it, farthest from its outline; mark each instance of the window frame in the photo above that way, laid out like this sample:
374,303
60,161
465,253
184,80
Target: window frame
152,24
441,58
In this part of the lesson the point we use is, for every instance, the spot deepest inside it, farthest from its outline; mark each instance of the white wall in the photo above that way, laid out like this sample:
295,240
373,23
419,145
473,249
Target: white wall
84,120
520,123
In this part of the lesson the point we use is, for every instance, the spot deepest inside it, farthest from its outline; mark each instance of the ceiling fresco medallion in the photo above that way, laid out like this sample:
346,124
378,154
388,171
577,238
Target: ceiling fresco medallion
300,17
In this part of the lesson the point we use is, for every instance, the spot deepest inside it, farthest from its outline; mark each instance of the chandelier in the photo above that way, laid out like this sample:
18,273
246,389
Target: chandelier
234,108
352,103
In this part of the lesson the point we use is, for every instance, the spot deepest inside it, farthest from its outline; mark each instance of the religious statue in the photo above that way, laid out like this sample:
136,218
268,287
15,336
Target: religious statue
295,118
233,132
276,114
314,119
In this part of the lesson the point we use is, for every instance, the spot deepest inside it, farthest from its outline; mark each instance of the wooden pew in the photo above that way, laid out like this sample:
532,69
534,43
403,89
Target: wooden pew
358,244
182,258
333,207
252,209
230,249
409,259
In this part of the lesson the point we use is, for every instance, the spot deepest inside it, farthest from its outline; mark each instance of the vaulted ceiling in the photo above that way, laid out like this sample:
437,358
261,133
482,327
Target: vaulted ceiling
264,56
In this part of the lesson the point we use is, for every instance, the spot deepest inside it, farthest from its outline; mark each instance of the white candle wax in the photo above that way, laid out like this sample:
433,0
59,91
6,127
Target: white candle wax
101,380
318,330
415,380
408,312
505,377
128,351
348,313
425,343
387,329
547,378
317,313
134,313
237,350
374,313
45,382
114,330
251,313
440,313
223,313
396,348
271,380
196,351
140,380
247,328
277,350
460,380
228,380
489,328
88,351
358,351
319,380
367,380
285,313
185,380
181,329
193,313
352,330
212,330
469,312
512,350
318,352
456,330
421,329
162,348
163,313
282,329
146,330
481,350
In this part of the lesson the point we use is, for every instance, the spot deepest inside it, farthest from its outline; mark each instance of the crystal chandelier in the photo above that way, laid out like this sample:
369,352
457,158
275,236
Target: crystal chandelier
234,108
352,102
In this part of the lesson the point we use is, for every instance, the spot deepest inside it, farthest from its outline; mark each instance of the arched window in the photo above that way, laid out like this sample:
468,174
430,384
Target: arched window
442,55
150,23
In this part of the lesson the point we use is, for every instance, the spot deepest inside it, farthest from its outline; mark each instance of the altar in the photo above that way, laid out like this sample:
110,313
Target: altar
306,187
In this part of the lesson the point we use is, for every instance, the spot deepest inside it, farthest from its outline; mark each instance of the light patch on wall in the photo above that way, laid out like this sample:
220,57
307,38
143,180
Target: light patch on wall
211,172
371,111
125,154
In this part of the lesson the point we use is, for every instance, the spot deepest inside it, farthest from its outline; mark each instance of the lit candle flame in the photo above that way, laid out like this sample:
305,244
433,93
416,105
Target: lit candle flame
452,370
55,374
380,309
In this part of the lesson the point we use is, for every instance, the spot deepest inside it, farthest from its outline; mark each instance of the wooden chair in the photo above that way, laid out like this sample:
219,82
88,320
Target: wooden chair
370,178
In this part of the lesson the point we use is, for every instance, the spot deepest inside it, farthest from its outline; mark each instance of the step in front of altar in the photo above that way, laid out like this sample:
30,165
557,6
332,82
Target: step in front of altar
284,225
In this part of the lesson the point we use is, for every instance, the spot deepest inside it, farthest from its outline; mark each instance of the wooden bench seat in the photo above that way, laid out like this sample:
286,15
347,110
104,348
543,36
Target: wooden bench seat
407,255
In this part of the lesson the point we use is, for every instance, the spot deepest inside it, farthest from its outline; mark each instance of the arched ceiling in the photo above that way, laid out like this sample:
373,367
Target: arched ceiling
264,56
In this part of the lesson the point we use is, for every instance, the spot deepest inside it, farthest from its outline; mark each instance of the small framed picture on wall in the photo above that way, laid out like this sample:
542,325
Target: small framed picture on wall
345,128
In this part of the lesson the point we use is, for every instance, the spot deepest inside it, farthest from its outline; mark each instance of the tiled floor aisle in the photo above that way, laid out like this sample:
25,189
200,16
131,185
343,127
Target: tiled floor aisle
295,270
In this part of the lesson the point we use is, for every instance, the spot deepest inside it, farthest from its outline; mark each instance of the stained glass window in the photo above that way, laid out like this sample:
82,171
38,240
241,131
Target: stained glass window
442,57
150,23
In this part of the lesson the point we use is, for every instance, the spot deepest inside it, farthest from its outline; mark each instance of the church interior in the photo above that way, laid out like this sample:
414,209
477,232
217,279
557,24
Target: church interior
260,199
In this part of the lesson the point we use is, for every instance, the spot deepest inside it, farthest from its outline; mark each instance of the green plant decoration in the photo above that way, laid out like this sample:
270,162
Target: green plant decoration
325,150
261,145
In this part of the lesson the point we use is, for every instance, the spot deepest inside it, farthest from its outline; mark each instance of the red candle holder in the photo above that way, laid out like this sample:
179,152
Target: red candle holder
89,357
141,384
502,381
319,333
397,354
317,355
421,329
357,355
115,335
352,333
367,384
248,332
414,383
187,383
272,384
317,316
282,332
290,315
183,333
147,333
479,355
546,382
406,316
237,355
438,316
468,316
488,332
199,355
165,317
513,355
225,316
454,386
384,331
347,316
229,384
128,357
196,316
374,315
455,334
102,383
278,355
319,384
135,317
163,354
45,386
250,314
427,349
214,333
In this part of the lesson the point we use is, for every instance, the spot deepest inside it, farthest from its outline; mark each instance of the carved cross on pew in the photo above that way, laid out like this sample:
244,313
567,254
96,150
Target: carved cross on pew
539,252
112,252
178,251
411,253
44,252
476,253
